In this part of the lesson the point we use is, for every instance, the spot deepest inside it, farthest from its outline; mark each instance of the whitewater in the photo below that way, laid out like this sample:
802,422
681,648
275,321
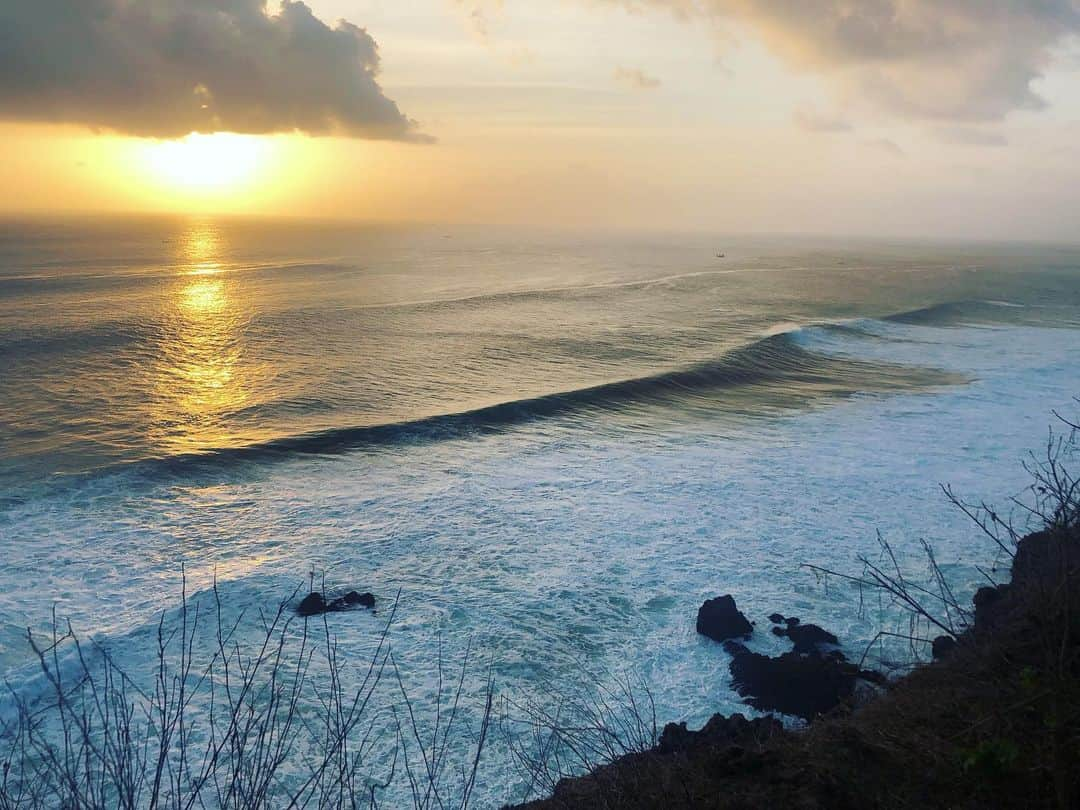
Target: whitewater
553,447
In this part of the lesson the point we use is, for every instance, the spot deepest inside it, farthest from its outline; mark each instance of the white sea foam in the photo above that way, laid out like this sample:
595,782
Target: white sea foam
549,549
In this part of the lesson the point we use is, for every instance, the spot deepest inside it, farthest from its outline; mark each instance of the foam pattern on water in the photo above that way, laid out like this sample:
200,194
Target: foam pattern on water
554,550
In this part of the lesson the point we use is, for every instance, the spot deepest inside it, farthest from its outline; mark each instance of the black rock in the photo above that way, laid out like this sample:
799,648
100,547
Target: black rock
312,605
719,732
991,607
942,646
987,595
363,599
1045,556
807,638
776,618
315,603
793,683
720,619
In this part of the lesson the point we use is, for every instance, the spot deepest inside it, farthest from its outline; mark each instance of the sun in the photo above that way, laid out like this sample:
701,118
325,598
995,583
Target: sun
206,164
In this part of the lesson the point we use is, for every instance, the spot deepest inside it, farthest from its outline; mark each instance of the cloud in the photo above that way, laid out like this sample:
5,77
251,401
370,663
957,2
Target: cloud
812,121
947,60
972,136
165,68
636,78
480,14
887,146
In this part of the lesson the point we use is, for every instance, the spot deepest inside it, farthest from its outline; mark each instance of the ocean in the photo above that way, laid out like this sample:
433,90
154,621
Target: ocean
554,446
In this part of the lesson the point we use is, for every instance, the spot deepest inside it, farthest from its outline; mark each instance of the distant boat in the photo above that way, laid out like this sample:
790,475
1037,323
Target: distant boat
719,255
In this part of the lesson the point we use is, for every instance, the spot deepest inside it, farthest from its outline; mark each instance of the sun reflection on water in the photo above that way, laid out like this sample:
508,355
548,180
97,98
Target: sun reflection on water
201,298
201,377
201,250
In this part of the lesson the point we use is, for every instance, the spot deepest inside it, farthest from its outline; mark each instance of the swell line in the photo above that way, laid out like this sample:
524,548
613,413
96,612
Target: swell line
777,363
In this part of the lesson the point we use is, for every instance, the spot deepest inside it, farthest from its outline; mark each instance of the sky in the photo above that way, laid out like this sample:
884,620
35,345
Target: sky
921,118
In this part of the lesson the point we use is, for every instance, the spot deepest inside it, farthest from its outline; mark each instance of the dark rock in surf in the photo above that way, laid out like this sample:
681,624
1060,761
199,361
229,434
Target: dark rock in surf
363,599
720,620
811,679
807,638
801,685
779,618
315,604
312,605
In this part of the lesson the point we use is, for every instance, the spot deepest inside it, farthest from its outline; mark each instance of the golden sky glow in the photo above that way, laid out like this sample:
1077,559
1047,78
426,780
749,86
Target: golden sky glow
536,122
221,163
69,169
219,172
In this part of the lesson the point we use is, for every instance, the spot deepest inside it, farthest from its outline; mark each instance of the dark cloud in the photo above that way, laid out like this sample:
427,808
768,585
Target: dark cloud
169,67
959,60
636,78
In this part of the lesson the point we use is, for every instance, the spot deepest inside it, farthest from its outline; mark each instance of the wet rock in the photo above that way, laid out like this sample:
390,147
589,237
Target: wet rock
794,683
315,603
720,620
363,599
312,605
776,618
807,638
719,731
805,686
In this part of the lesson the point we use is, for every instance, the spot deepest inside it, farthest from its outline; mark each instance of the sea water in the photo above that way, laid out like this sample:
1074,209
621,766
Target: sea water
549,448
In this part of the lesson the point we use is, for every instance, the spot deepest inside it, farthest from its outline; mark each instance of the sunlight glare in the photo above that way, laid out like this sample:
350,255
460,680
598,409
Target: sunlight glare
221,162
200,250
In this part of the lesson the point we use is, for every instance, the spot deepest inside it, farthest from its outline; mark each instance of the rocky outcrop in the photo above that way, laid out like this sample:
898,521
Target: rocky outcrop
1046,557
801,684
720,620
362,599
720,730
811,679
807,638
942,646
315,604
972,730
